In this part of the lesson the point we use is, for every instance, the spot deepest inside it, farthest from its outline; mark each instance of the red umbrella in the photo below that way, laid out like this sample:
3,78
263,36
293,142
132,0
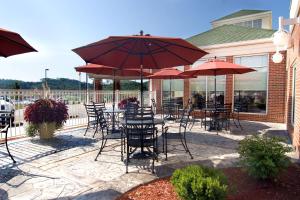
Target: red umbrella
217,67
12,43
169,73
110,71
140,51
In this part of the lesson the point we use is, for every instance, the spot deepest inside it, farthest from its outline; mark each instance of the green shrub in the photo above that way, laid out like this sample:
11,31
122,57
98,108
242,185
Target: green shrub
263,157
199,183
31,130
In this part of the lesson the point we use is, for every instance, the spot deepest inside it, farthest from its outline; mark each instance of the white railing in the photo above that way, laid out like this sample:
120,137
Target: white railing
74,99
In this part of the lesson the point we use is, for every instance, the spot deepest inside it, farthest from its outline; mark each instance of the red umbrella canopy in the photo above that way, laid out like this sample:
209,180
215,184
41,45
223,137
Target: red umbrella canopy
217,67
12,43
150,52
105,70
169,73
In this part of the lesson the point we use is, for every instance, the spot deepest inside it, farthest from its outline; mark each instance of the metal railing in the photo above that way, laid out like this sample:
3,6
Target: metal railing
74,99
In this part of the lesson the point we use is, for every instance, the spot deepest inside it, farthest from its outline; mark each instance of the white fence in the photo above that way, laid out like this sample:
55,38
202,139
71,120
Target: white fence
74,99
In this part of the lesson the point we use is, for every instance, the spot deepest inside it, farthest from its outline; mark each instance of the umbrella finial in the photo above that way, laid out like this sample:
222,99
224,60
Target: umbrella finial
141,32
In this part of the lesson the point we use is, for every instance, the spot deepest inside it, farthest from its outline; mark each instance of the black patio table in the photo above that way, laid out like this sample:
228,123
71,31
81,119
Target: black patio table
213,111
116,112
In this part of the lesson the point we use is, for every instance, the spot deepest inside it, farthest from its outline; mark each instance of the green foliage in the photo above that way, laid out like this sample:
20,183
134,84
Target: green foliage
31,130
199,183
263,157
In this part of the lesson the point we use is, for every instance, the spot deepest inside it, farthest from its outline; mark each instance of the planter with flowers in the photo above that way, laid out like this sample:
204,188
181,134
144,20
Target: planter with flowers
122,104
44,116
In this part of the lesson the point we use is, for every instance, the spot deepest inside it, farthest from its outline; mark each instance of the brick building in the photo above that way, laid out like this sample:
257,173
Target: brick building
293,82
243,37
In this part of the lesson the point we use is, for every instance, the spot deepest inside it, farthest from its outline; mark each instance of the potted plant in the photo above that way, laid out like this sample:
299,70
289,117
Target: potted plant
122,104
44,117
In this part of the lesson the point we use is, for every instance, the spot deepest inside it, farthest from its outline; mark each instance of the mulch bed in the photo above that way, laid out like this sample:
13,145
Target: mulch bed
241,187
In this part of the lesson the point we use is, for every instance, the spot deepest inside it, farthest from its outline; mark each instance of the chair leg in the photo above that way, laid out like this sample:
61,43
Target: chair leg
9,151
87,128
95,130
166,145
187,149
127,158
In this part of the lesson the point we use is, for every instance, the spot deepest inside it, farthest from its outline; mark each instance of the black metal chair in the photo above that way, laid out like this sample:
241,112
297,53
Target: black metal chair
92,118
181,134
140,133
235,115
108,133
5,123
169,110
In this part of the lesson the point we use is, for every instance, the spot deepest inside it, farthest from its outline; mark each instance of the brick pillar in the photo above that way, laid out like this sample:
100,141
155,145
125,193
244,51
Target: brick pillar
98,87
186,88
229,94
156,86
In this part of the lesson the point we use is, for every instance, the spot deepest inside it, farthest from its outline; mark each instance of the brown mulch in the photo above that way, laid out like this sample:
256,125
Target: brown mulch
241,187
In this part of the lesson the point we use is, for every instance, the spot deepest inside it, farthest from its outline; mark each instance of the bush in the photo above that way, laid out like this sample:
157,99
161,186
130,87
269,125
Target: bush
263,157
31,130
199,183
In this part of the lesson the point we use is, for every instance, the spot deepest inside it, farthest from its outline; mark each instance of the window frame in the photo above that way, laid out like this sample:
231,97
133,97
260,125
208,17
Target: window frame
206,79
267,91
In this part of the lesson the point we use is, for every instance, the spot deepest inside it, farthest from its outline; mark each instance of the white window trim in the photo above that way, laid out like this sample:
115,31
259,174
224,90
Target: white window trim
267,98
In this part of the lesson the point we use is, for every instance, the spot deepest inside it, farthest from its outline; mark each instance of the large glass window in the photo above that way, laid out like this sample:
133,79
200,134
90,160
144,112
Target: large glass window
250,89
176,92
203,89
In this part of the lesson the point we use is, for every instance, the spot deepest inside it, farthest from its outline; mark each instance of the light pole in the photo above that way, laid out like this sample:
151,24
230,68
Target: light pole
46,77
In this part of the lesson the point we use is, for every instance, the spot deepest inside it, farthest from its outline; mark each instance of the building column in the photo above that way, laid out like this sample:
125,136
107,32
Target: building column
229,94
186,88
98,88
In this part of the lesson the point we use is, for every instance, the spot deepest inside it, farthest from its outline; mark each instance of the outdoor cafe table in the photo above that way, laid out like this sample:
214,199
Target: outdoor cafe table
142,154
116,112
212,111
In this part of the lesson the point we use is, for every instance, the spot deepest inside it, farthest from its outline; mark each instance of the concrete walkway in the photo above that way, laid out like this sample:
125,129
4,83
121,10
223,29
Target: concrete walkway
64,167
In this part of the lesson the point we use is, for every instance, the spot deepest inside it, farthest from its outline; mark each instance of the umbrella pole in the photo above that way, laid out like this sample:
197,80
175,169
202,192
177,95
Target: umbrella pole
170,89
114,99
215,89
141,89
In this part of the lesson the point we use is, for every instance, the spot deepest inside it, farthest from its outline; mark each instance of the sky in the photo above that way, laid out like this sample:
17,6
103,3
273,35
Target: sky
54,27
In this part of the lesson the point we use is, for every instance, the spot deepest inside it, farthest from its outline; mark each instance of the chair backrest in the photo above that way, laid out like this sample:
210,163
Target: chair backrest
185,117
5,123
101,119
90,110
100,105
140,130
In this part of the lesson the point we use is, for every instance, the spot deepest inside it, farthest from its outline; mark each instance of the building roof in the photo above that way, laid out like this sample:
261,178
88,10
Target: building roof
240,14
229,33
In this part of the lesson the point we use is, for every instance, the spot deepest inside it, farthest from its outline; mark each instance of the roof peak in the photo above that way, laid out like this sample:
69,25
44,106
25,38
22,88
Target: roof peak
240,13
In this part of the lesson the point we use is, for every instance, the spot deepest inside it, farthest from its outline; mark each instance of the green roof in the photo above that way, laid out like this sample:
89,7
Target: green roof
240,14
229,33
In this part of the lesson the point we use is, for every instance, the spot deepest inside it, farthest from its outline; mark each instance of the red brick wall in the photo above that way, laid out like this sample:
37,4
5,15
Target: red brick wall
276,92
293,60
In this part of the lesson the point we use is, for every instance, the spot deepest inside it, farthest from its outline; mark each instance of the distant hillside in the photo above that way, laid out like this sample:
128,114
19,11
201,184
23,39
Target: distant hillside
64,84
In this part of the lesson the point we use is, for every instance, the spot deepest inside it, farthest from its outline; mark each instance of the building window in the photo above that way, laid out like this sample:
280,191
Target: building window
251,24
176,89
250,89
293,95
202,89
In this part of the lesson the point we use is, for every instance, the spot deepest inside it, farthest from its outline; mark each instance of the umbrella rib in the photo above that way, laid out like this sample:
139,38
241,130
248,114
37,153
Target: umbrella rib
135,42
175,54
149,52
99,44
106,52
18,43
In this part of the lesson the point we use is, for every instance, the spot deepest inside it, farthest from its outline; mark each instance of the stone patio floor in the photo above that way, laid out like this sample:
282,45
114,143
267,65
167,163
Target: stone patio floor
64,167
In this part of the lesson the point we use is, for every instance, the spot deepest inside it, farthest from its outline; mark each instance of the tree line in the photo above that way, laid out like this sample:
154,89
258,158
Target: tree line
67,84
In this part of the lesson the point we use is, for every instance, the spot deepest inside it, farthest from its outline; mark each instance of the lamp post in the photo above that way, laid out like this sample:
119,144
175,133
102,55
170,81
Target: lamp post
46,77
282,38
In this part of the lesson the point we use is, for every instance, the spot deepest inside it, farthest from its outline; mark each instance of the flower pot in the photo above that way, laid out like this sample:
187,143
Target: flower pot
46,130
